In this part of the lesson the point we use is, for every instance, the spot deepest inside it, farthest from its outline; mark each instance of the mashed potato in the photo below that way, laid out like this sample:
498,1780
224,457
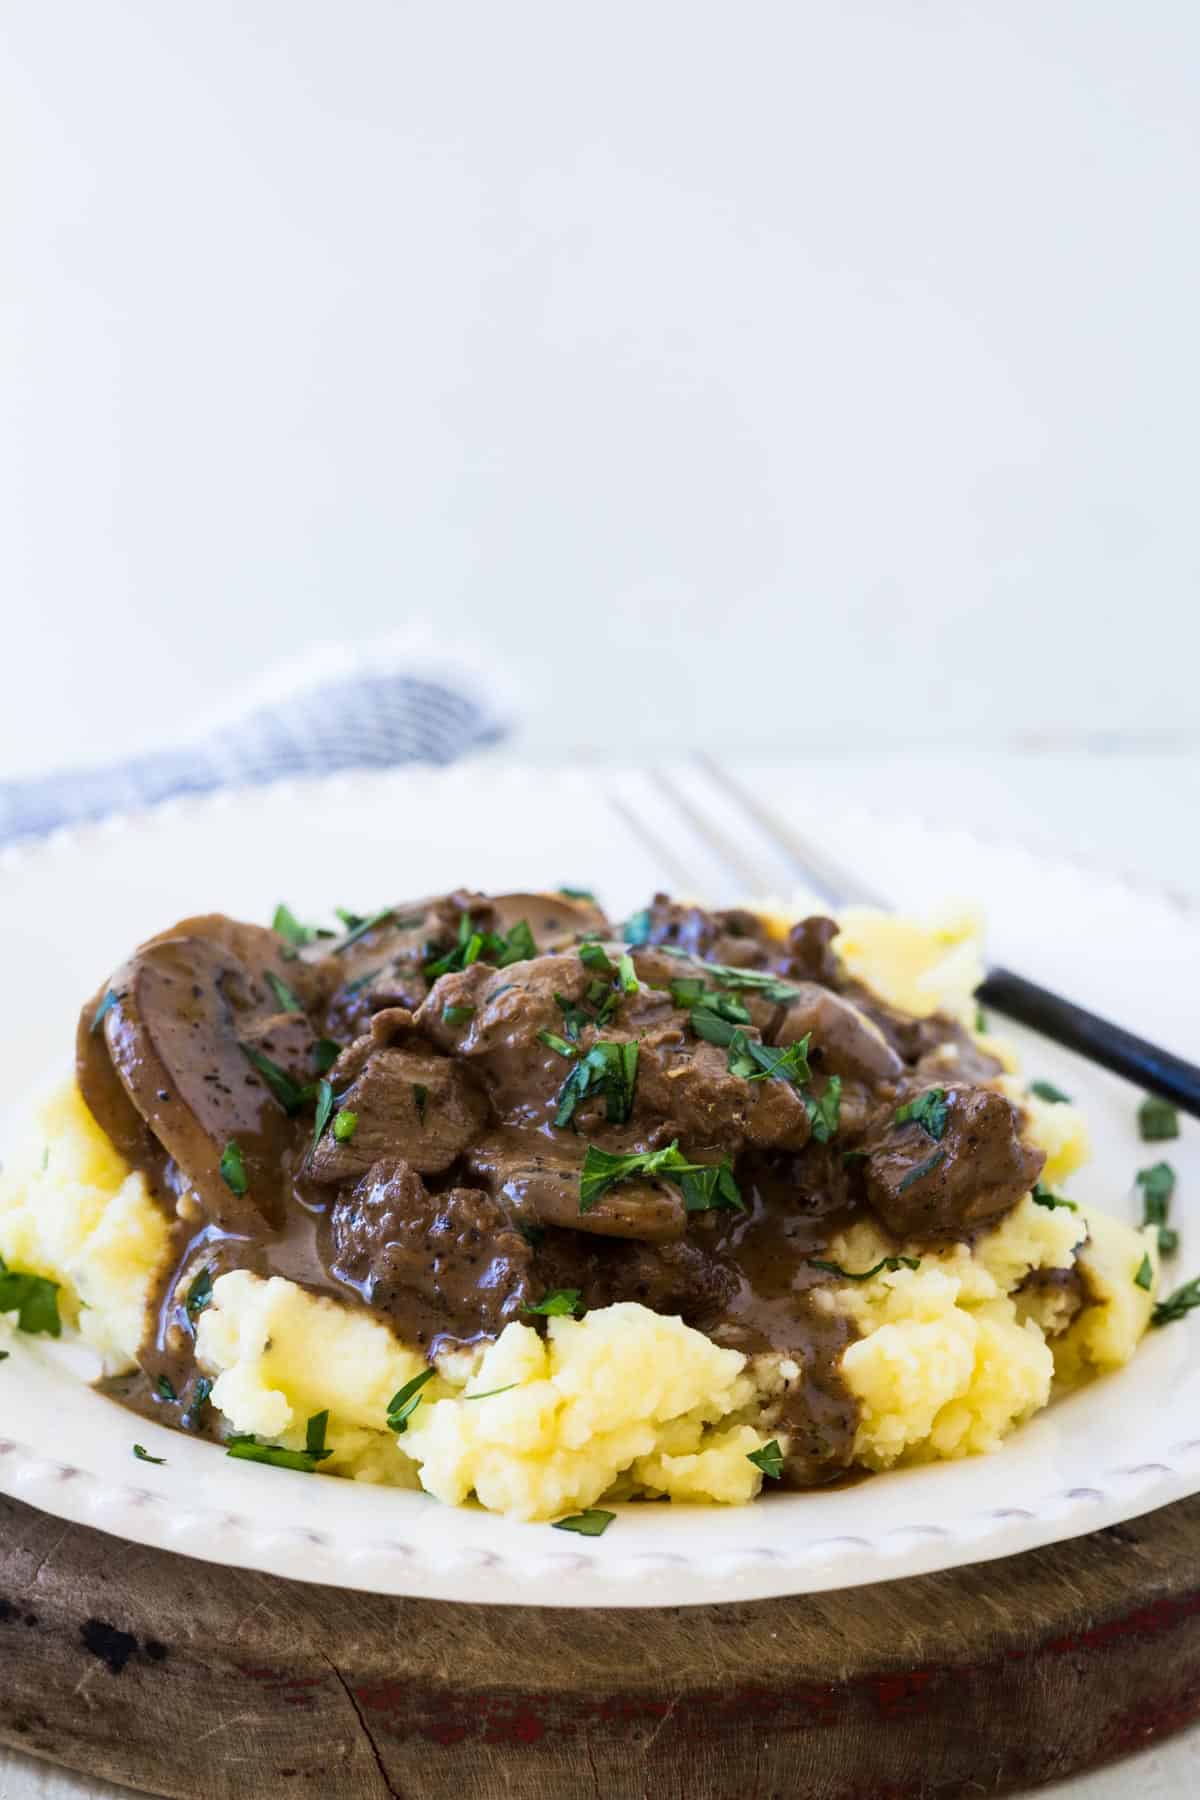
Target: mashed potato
948,1357
71,1210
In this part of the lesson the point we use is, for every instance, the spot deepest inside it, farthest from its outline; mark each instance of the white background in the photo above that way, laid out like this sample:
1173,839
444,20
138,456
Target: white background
770,375
786,377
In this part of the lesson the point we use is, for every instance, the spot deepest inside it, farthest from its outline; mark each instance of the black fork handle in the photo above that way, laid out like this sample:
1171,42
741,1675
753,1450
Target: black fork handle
1156,1071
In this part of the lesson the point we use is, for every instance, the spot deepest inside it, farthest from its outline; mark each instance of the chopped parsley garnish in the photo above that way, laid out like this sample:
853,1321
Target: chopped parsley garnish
286,925
1046,1090
689,990
164,1390
890,1263
595,957
1157,1119
324,1054
1145,1275
769,1459
105,1006
610,1068
361,929
559,1045
1042,1196
285,995
716,1017
405,1401
199,1294
420,1100
559,1303
276,1457
921,1170
199,1401
825,1112
1158,1184
344,1126
756,1062
709,1187
145,1456
574,1017
33,1298
928,1110
290,1095
324,1109
703,1185
1177,1304
755,980
637,928
233,1168
592,1523
472,946
518,945
578,894
457,1015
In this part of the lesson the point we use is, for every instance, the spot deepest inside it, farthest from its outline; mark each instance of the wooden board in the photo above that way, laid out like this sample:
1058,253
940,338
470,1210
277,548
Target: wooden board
184,1679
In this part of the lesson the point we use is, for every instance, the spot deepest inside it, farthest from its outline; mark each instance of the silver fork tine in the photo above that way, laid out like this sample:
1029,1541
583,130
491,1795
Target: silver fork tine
747,876
831,880
684,880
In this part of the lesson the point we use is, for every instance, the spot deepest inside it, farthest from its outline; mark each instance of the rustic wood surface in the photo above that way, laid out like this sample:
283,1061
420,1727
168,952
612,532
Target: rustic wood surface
183,1679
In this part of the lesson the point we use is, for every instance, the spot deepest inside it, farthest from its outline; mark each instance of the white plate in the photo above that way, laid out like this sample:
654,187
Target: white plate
73,906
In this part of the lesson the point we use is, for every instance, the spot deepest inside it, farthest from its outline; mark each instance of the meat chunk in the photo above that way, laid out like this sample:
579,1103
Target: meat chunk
386,965
407,1105
686,1088
440,1266
681,1278
494,1019
538,1179
927,1188
736,937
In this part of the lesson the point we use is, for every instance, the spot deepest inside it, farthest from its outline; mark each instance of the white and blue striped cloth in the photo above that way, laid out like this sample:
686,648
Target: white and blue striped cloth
363,715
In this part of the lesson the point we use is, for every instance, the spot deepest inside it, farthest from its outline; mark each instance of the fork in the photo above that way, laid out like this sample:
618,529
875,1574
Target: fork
1155,1070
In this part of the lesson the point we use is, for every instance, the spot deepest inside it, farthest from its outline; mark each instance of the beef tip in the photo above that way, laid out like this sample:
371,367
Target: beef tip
408,1105
391,1026
735,936
685,1088
185,1003
777,1117
499,1034
926,1188
844,1040
537,1178
440,1266
680,1278
809,953
657,969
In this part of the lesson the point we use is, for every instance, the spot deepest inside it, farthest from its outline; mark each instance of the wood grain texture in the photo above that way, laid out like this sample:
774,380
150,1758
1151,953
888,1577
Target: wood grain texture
183,1679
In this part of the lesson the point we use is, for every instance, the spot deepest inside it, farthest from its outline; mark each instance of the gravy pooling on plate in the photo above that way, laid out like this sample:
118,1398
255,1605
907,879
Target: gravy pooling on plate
464,1105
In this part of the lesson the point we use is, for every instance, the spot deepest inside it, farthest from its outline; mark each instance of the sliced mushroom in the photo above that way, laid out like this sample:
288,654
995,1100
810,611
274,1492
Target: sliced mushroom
185,1004
844,1040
